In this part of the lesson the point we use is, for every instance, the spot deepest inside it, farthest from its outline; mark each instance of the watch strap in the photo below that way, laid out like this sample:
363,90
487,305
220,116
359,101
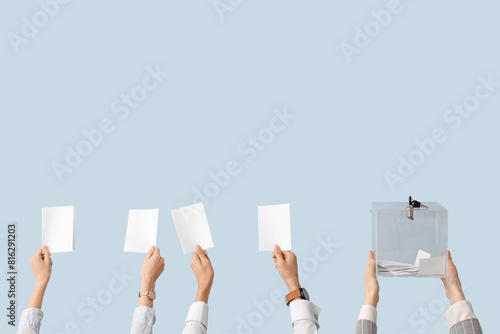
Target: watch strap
293,295
151,294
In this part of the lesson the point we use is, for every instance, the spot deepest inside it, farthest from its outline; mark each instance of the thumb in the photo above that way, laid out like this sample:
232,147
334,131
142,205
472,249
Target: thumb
201,254
371,260
450,260
445,282
150,252
195,259
46,254
278,255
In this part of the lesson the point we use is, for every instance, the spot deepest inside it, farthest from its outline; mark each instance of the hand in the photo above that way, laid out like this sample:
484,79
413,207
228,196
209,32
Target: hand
452,285
152,268
41,263
286,263
371,282
204,272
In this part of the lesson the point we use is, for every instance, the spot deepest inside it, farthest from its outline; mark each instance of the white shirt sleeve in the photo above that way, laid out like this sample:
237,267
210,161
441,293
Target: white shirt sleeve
31,320
368,312
458,312
197,319
304,316
143,320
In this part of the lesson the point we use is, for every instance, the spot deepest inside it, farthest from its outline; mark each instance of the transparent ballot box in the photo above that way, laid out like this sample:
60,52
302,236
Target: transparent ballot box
410,244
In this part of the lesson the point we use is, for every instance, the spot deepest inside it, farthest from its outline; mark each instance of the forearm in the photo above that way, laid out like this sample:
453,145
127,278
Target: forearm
203,294
144,317
30,322
367,320
197,319
147,285
459,312
304,315
143,320
37,296
371,299
305,327
292,284
145,301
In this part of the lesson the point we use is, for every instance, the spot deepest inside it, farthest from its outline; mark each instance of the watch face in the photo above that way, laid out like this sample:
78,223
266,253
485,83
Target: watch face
152,294
304,294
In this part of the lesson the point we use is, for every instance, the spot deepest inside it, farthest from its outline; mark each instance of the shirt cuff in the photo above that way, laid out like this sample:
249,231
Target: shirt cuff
31,317
198,311
301,309
458,312
368,312
144,315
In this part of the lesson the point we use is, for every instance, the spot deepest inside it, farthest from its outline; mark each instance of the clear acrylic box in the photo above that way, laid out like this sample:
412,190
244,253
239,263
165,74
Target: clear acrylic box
410,248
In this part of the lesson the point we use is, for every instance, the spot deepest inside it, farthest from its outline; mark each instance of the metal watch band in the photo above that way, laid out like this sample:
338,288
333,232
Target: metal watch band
151,294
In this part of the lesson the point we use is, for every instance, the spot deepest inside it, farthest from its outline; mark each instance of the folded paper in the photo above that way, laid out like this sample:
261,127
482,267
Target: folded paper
58,229
192,227
396,269
421,255
142,228
274,227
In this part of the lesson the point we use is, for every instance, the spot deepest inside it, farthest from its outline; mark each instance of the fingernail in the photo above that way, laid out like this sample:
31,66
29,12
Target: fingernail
276,247
198,248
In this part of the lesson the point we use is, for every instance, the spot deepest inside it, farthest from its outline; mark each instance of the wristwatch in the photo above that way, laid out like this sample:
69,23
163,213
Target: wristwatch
299,293
151,294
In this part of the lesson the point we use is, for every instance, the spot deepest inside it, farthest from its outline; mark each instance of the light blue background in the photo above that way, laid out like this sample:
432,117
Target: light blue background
352,122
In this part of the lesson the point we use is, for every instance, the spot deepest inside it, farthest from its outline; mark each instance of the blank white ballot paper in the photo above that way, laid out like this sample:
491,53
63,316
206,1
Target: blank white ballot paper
58,229
192,227
274,227
142,227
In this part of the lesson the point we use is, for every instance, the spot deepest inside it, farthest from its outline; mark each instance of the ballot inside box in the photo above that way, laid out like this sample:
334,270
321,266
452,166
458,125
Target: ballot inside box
410,240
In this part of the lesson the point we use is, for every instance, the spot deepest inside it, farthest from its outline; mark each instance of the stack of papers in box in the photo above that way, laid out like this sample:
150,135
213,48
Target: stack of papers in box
424,266
393,268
